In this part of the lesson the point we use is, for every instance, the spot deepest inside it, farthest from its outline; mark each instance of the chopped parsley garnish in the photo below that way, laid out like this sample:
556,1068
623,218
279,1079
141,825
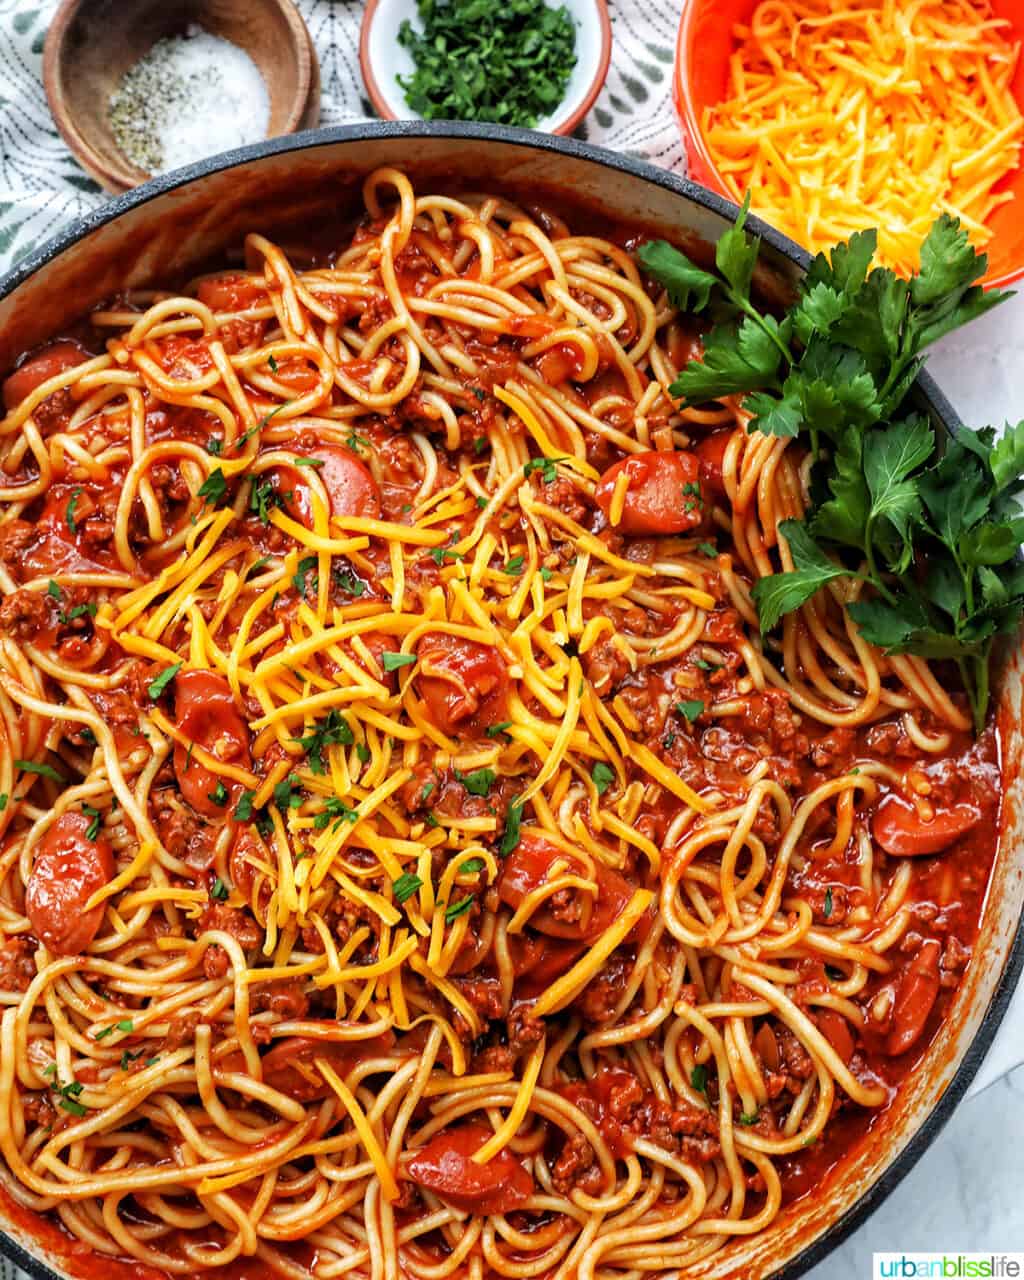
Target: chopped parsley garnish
750,1119
219,795
335,810
160,683
513,822
213,488
428,787
546,573
546,467
287,794
69,1094
508,64
264,498
272,363
128,1057
691,710
214,446
477,782
705,665
494,730
514,566
243,810
3,800
244,439
440,554
43,770
603,776
826,910
392,661
347,581
93,829
699,1078
471,868
455,909
333,730
309,462
72,507
303,569
53,590
707,549
405,886
219,892
890,494
363,752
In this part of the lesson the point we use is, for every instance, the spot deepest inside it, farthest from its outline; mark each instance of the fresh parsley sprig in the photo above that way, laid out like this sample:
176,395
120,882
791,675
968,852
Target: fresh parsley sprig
929,524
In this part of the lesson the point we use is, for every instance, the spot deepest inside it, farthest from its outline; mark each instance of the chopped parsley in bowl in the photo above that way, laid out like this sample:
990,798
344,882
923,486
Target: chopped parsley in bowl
531,63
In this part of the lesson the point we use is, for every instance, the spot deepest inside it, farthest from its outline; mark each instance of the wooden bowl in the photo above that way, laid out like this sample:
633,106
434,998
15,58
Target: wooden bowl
92,43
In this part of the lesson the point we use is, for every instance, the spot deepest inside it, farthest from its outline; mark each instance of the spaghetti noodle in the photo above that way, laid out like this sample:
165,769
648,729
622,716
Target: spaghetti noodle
414,862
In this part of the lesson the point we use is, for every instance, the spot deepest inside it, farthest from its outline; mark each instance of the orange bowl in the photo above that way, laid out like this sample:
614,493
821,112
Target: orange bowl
703,48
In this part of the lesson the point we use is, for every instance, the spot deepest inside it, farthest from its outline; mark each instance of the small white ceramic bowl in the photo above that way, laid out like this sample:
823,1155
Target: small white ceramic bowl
383,59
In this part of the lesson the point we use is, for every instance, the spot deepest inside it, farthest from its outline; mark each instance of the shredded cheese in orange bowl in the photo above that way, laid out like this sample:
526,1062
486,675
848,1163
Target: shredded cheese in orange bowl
839,115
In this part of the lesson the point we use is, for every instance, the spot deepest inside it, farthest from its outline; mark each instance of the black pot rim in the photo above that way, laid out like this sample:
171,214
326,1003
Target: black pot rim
810,1255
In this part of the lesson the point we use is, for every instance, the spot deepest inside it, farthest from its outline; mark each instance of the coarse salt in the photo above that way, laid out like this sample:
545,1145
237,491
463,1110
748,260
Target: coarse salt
191,96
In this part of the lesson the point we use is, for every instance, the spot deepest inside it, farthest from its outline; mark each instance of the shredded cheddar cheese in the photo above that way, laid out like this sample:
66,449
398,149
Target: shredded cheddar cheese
846,114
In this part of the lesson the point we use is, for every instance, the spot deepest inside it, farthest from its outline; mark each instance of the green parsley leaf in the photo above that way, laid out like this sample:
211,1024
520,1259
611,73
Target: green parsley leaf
219,892
300,579
243,810
691,710
4,797
826,910
287,794
751,1119
513,822
471,868
699,1078
708,550
689,287
335,810
546,573
363,753
42,770
69,1094
514,566
455,909
392,661
507,64
272,364
157,686
546,467
315,463
783,592
347,581
71,508
405,886
219,795
496,730
333,730
53,590
93,829
603,776
213,488
477,782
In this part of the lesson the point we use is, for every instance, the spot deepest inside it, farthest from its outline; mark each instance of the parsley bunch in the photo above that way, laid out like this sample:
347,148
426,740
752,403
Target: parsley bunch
929,522
507,63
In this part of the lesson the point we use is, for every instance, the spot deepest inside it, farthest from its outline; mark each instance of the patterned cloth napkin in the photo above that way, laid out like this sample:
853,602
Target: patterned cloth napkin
42,187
